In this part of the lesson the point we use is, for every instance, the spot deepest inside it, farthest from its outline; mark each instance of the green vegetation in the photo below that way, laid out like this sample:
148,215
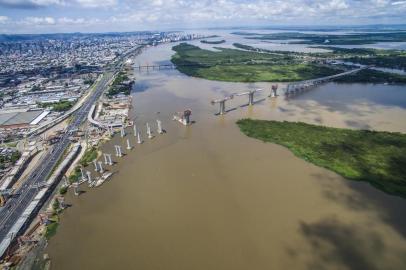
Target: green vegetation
61,106
88,81
280,53
373,76
243,66
51,229
63,190
9,159
375,157
35,88
52,226
55,205
329,39
395,59
213,41
386,61
88,156
121,84
75,175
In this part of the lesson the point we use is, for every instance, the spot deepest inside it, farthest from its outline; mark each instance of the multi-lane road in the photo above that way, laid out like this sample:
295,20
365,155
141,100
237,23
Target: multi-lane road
16,205
23,196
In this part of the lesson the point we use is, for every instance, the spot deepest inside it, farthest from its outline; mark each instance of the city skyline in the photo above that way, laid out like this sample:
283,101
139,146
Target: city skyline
51,16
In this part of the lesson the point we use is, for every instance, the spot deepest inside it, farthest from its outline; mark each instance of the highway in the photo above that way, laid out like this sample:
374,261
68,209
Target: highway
15,206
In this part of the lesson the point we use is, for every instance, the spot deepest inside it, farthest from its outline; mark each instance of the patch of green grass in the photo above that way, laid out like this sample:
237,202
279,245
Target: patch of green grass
63,190
75,175
51,229
213,41
329,39
245,66
119,85
375,157
88,156
61,106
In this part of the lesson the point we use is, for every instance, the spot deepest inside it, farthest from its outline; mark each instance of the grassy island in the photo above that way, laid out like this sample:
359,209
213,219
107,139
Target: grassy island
375,157
329,39
245,66
213,41
373,76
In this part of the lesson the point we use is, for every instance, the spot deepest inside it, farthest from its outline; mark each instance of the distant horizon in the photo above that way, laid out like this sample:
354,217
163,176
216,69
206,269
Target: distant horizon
95,16
302,27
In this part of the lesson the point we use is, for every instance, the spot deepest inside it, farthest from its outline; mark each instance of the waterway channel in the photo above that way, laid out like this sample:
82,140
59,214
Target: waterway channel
207,197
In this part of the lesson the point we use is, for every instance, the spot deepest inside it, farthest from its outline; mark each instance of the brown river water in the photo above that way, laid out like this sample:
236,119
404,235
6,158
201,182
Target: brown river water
208,197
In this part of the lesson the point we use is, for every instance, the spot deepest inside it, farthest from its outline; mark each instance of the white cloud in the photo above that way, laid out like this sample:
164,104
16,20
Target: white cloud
3,19
44,3
95,3
38,21
147,14
398,3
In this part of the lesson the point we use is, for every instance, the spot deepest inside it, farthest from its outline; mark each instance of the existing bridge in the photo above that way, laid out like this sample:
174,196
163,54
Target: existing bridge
295,88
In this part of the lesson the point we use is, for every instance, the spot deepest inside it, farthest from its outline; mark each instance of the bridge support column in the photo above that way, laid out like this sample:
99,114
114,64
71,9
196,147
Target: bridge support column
128,145
159,127
139,140
101,167
105,159
89,177
95,166
135,130
250,99
222,107
83,174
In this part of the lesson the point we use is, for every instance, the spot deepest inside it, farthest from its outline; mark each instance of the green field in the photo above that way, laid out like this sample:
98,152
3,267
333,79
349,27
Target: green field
329,39
213,41
375,157
61,106
244,66
372,76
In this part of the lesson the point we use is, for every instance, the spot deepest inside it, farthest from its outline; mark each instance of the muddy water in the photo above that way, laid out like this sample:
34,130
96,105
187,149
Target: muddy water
207,197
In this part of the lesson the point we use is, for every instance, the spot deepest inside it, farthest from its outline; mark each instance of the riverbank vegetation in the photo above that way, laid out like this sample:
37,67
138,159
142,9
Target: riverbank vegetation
75,175
88,156
394,59
121,85
329,39
372,76
245,66
213,41
375,157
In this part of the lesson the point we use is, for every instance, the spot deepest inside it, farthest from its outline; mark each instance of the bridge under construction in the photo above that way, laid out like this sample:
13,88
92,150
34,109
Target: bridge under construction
292,89
295,88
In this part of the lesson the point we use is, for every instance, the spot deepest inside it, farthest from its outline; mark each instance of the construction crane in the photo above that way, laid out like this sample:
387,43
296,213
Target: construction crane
250,95
222,103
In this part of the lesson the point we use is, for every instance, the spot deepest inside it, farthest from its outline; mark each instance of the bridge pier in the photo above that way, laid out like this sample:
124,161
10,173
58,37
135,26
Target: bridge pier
222,107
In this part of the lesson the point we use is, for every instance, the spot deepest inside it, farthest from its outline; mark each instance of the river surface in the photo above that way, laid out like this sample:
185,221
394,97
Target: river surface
208,197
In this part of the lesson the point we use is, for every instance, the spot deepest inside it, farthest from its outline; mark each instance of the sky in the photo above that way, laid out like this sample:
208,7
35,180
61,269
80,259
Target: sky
57,16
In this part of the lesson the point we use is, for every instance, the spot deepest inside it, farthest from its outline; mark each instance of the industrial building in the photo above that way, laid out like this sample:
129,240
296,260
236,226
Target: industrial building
20,120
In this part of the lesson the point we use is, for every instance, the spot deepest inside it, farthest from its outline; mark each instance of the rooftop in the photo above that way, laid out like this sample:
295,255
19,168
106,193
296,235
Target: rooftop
17,118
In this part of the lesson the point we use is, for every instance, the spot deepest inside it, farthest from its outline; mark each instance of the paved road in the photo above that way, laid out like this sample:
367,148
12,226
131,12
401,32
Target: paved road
16,205
23,196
